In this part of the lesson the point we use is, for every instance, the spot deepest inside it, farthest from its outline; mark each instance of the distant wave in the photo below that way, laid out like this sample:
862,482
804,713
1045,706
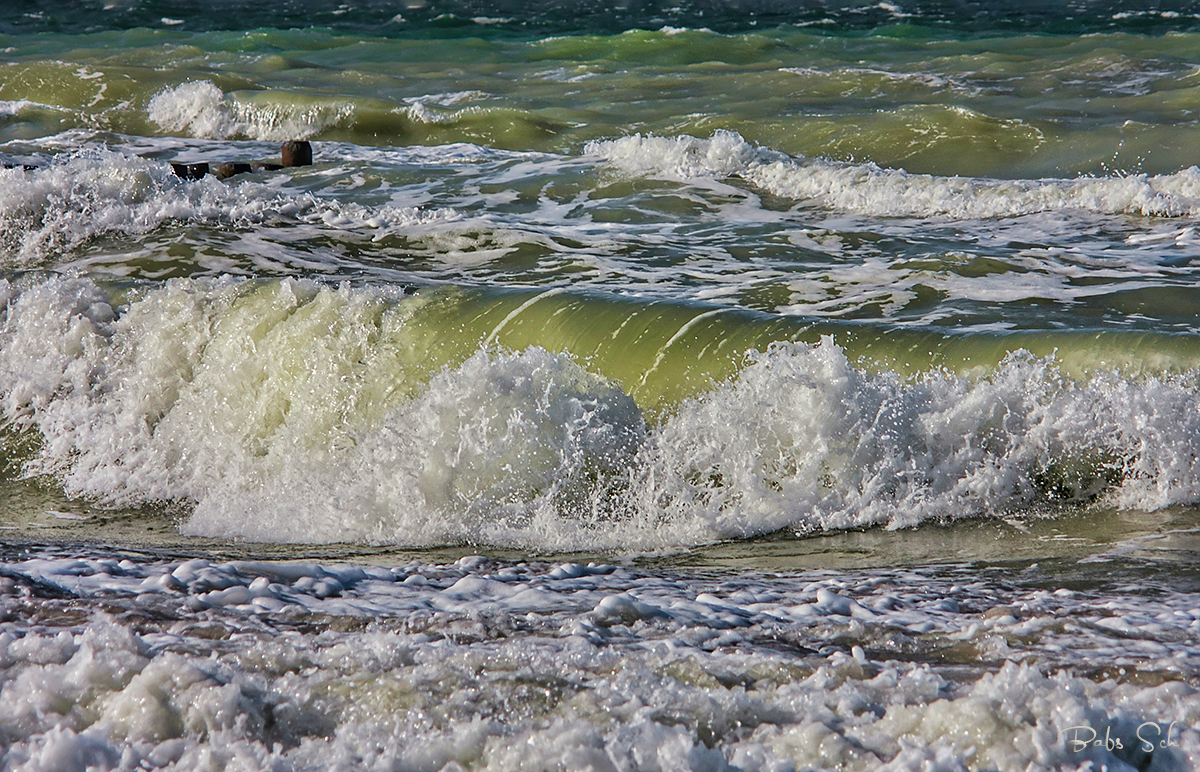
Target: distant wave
12,108
200,109
462,18
870,190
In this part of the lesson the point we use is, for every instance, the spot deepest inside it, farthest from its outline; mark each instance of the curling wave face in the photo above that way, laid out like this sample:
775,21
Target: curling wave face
335,415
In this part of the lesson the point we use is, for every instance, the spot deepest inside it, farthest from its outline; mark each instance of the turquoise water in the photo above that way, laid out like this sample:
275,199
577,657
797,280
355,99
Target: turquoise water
714,386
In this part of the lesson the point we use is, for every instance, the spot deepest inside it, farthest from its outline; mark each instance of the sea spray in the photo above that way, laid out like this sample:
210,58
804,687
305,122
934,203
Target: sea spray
308,406
200,109
853,367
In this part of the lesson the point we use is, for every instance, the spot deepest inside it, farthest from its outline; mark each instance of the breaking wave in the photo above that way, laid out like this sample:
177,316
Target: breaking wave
314,409
868,189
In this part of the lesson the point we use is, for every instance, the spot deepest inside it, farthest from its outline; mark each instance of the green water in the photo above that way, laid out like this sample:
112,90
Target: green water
655,194
1013,106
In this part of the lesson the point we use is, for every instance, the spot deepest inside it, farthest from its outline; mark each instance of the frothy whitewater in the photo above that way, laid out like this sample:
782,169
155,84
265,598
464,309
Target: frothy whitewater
715,388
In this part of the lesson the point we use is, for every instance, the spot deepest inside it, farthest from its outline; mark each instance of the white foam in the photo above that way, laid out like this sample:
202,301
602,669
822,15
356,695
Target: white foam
498,449
489,666
419,111
870,190
200,109
873,80
250,225
804,440
49,211
13,108
449,99
299,404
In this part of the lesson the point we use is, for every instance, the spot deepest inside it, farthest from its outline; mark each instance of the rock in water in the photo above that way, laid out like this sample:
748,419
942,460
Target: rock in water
230,168
190,171
296,152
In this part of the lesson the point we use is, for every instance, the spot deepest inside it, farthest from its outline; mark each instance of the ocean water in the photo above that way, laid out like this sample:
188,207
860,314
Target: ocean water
728,385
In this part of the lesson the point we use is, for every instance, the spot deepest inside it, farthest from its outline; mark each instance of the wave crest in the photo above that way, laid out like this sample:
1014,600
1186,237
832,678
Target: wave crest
870,190
200,109
312,409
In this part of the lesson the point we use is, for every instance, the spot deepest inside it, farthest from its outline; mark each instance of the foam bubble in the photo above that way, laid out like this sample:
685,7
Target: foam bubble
870,190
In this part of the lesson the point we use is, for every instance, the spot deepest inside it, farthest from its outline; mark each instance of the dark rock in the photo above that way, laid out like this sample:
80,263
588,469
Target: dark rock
296,152
190,171
9,162
229,169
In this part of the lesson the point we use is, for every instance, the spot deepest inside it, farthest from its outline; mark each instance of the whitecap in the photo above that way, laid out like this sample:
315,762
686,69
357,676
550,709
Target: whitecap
868,189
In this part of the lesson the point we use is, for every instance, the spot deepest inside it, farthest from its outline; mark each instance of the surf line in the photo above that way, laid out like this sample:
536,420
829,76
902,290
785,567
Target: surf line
294,152
517,311
662,352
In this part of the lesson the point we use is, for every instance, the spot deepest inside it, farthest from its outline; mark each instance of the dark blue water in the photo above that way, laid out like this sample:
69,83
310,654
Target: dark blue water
456,18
